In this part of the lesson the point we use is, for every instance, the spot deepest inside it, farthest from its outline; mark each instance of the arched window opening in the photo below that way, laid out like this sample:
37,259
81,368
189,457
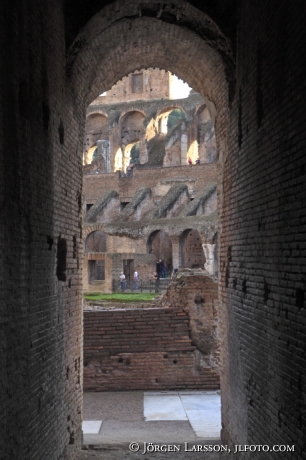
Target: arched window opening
192,254
175,118
95,130
95,242
160,245
134,154
206,138
95,246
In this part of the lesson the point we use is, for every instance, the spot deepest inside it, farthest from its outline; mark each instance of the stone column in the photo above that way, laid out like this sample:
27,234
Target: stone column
104,151
184,141
210,255
176,257
143,153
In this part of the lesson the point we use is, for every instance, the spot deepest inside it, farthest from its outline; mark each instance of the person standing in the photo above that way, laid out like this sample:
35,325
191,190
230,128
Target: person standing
163,271
136,279
189,161
158,268
156,277
122,281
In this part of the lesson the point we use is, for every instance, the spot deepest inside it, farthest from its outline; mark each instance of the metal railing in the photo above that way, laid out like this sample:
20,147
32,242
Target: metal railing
142,286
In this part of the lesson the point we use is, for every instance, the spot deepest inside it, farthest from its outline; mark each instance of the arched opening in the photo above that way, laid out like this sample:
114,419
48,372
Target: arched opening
206,138
192,254
129,152
135,154
89,154
118,160
169,118
214,86
95,242
95,130
159,244
131,127
95,249
175,117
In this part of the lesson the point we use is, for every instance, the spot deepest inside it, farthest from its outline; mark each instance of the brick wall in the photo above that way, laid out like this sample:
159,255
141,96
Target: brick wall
156,84
147,348
263,239
40,238
96,185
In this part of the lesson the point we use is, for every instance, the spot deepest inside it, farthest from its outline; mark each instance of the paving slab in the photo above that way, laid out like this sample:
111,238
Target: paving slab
122,452
163,407
91,426
124,419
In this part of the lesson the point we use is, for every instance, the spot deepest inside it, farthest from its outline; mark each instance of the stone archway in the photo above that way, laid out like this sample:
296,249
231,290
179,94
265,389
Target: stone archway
149,41
161,38
160,245
192,255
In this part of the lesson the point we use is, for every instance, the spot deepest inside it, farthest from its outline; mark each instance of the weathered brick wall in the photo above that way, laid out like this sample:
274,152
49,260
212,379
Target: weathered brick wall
156,84
96,185
40,177
146,348
263,238
197,294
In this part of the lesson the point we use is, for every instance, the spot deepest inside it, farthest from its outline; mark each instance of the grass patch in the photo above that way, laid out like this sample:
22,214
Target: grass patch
124,297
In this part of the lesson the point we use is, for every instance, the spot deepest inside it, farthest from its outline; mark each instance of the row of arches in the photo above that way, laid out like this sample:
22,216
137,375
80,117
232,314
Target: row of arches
131,140
191,254
159,244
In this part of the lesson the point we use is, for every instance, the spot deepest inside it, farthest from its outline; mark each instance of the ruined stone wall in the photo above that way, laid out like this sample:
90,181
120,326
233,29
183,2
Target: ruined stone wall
143,349
197,294
125,245
263,242
96,185
150,84
123,123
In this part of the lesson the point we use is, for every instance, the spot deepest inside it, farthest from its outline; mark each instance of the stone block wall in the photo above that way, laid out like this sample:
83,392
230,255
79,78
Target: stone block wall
148,348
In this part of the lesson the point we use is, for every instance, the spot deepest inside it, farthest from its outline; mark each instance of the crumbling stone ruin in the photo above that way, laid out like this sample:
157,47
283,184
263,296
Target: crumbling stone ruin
155,212
164,131
180,228
248,59
173,345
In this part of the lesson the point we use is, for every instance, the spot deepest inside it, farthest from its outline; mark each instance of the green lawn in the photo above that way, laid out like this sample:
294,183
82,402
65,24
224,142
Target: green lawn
126,297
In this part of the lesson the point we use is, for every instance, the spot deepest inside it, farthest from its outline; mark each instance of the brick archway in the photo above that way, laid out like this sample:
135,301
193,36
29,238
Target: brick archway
133,41
115,43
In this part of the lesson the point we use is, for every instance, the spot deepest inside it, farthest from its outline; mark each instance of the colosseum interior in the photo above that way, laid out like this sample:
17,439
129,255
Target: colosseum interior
244,204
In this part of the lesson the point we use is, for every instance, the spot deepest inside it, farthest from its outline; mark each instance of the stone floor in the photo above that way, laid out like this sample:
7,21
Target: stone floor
201,408
136,417
121,452
116,417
